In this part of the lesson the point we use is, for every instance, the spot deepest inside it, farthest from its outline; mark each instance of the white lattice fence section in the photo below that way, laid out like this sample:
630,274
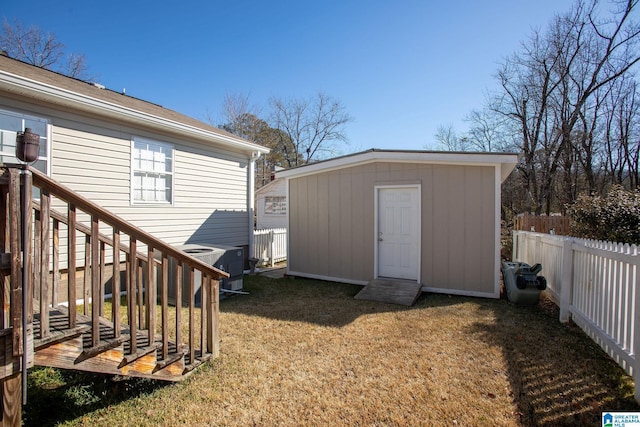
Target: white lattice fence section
270,245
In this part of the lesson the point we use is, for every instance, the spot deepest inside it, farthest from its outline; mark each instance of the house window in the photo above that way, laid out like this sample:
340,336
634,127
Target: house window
152,171
275,205
10,124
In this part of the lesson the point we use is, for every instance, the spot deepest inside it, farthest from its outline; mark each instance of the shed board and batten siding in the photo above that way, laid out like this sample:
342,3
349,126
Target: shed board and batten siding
332,223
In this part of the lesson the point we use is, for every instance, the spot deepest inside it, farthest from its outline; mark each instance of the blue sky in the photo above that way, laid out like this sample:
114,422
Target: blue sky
401,68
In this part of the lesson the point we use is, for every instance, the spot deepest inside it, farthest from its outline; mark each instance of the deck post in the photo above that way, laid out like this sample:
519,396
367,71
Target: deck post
12,392
164,300
204,312
94,268
179,283
26,295
192,318
71,263
20,290
115,284
150,295
5,249
214,316
17,273
43,270
131,294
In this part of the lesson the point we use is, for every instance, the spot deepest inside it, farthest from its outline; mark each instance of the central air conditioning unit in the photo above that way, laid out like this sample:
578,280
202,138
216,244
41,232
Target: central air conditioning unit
225,258
232,262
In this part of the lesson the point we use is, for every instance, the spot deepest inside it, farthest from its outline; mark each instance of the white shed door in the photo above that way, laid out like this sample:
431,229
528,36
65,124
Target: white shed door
398,232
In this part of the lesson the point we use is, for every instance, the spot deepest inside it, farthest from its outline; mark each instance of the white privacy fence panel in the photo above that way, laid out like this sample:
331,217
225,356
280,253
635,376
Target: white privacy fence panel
270,245
545,249
596,284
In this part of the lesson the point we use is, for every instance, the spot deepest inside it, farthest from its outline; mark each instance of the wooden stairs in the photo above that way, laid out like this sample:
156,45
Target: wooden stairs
77,256
71,348
391,291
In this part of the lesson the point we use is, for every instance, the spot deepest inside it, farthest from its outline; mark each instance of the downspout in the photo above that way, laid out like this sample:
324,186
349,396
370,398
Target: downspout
255,155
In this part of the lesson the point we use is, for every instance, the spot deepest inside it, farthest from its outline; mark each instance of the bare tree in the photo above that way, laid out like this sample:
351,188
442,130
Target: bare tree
76,66
487,131
621,134
587,143
448,139
527,82
310,128
44,50
629,135
605,51
553,90
241,119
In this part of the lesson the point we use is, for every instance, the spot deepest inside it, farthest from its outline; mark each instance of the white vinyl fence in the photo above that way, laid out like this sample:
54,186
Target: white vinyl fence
596,284
270,245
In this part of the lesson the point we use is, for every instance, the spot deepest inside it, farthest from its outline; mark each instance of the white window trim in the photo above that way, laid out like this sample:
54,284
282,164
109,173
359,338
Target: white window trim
22,116
132,175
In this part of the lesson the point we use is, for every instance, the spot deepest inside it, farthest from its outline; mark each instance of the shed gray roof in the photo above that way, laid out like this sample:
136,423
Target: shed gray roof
506,161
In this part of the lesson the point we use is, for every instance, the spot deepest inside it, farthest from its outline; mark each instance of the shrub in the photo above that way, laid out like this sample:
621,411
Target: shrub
614,218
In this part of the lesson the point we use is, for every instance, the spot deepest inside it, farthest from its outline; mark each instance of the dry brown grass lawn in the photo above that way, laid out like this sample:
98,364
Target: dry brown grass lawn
302,352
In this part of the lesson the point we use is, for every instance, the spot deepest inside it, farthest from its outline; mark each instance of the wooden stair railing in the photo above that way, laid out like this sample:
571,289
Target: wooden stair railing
141,345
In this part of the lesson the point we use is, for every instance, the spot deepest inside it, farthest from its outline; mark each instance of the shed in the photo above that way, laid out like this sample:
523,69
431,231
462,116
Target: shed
428,217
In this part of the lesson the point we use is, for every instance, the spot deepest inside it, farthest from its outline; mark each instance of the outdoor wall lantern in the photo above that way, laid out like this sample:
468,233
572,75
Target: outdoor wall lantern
27,146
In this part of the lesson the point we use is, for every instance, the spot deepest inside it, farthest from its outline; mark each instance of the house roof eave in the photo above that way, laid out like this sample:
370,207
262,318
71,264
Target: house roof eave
32,89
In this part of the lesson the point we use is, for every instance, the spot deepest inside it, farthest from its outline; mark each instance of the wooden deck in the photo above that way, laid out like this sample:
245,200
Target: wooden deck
391,291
